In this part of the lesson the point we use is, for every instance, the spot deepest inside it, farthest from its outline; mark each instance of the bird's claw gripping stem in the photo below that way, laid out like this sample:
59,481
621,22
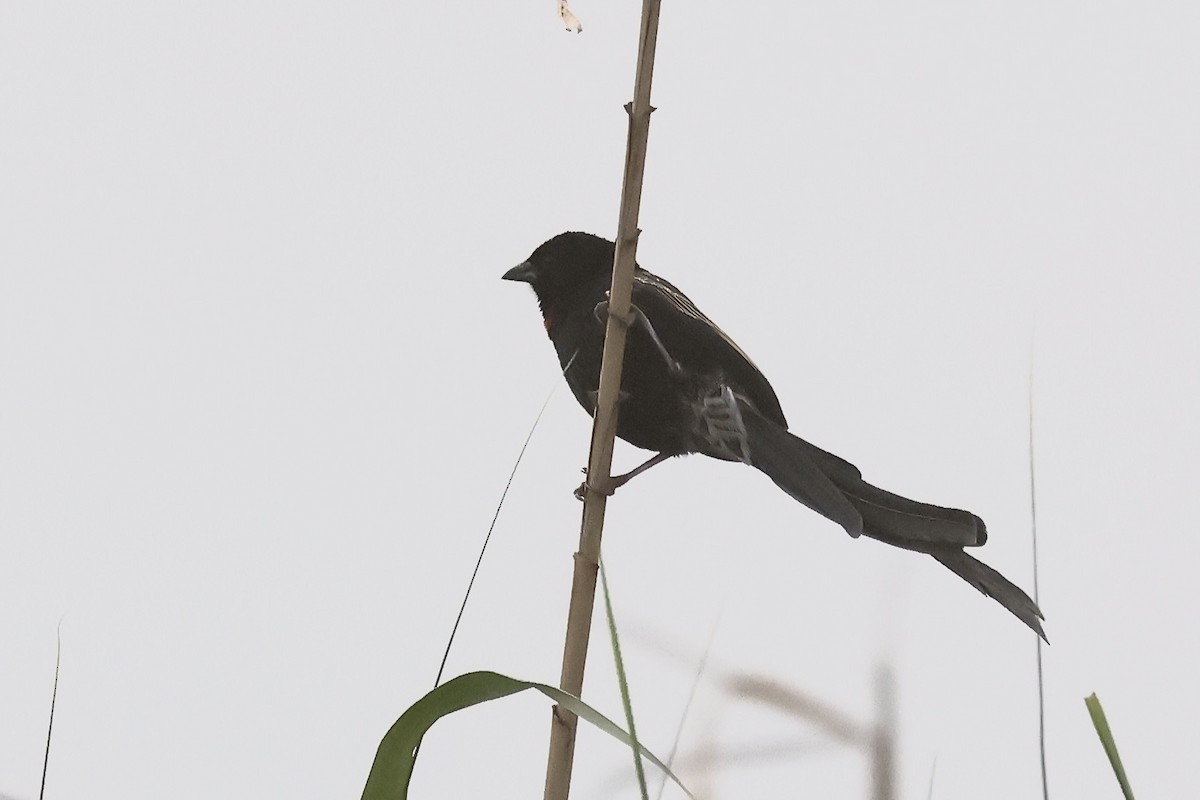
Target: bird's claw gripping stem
607,487
602,310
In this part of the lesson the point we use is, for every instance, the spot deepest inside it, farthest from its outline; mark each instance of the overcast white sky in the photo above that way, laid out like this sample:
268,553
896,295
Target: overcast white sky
261,385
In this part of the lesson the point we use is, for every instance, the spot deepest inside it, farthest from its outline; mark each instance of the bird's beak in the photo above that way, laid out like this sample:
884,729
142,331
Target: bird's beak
521,272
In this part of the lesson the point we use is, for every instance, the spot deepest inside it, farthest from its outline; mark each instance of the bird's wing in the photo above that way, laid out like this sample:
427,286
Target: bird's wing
698,344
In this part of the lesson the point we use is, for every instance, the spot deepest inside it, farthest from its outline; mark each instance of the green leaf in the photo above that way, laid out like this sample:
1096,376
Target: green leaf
392,770
623,684
1106,739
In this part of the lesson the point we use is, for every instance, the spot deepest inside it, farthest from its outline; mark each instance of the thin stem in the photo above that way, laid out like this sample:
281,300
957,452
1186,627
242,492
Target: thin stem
53,701
563,723
488,538
1037,600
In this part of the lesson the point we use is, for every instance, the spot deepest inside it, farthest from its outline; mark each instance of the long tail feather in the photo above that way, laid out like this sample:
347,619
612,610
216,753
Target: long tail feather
994,585
772,450
826,484
834,488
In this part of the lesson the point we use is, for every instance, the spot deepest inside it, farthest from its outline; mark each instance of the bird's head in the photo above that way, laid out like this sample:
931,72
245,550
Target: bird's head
568,263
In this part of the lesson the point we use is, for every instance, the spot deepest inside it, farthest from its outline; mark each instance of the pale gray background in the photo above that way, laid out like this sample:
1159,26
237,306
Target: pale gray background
261,385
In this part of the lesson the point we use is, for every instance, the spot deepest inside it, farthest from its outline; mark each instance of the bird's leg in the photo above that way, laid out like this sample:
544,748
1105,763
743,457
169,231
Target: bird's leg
615,482
672,364
621,480
638,317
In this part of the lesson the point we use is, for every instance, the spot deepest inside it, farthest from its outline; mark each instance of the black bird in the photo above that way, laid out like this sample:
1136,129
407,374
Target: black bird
688,388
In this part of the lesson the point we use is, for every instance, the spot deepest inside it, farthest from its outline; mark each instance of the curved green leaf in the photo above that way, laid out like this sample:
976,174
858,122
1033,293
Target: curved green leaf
392,770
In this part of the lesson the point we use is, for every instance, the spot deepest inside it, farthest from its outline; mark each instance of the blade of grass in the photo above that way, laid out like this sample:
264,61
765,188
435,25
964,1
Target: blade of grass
53,701
1041,681
1100,721
623,683
462,608
488,538
396,756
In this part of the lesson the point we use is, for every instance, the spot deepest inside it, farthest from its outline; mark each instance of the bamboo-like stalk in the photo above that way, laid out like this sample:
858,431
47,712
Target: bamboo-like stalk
563,723
882,751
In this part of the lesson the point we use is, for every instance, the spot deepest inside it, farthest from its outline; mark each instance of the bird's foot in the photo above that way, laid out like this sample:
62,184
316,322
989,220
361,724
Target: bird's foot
602,311
607,487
